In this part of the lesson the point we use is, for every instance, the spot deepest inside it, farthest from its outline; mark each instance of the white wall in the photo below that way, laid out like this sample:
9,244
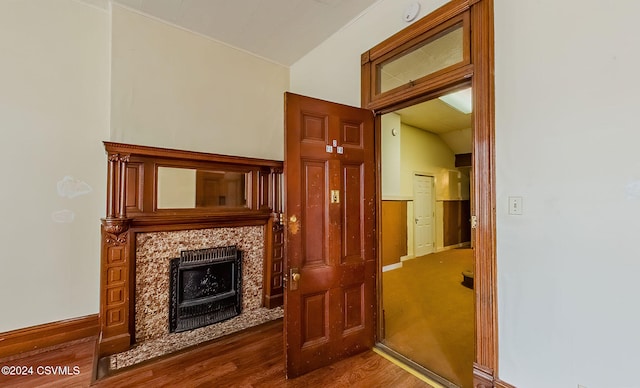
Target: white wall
567,141
54,113
332,71
566,103
177,89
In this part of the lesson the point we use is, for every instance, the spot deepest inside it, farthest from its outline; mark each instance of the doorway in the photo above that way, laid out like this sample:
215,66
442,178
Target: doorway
427,310
464,30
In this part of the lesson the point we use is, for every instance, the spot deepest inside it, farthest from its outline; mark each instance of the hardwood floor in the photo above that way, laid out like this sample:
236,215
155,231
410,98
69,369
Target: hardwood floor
252,358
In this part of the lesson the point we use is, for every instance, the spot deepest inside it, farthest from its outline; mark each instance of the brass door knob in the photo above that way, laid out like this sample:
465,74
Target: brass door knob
295,277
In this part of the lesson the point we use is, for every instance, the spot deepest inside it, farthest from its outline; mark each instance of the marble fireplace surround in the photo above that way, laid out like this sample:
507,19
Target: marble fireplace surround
154,250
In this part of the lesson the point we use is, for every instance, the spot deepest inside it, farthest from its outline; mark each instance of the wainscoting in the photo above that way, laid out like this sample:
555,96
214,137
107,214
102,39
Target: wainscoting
457,223
394,231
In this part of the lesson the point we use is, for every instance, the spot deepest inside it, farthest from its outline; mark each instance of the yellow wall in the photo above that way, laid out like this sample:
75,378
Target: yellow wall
424,152
391,156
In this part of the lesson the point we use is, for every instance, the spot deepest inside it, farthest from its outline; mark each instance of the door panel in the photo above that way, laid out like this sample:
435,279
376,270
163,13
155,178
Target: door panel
330,209
315,323
353,197
314,176
354,308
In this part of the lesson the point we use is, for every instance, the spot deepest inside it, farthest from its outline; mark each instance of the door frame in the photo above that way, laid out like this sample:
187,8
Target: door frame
433,208
480,72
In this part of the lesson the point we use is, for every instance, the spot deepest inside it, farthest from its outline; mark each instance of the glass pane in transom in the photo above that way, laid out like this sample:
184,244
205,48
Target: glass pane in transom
434,54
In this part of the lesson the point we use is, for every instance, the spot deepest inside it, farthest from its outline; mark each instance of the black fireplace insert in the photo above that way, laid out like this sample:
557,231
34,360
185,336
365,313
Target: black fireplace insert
205,287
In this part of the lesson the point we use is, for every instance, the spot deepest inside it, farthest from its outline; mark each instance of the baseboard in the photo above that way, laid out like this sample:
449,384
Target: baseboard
47,335
391,267
407,257
483,378
273,301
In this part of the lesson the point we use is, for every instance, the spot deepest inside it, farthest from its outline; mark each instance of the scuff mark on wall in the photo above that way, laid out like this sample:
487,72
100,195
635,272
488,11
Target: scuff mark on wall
63,216
70,187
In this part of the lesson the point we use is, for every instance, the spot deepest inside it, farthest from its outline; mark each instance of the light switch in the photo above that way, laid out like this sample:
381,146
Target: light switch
515,206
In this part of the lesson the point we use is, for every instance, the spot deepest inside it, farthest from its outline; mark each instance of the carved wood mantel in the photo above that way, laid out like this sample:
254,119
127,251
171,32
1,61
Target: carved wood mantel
132,207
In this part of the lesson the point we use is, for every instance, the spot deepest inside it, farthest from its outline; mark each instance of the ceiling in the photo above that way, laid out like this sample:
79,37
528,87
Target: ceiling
436,116
282,31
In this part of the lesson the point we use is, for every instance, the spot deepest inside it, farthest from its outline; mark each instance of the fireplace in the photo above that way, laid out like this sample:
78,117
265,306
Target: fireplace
205,287
139,241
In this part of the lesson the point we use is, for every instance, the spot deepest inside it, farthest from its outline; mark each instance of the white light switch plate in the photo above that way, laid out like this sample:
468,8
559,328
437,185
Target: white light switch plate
515,206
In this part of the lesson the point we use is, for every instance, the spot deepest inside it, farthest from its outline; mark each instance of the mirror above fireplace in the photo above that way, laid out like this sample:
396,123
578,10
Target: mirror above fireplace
189,188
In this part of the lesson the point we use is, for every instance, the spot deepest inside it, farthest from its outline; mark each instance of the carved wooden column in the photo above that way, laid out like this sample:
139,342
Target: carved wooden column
273,289
115,266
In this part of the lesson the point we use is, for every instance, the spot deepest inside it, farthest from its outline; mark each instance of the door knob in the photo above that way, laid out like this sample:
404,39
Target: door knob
294,277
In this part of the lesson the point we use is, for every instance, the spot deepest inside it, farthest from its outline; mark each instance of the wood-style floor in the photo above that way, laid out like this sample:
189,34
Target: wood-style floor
429,314
252,358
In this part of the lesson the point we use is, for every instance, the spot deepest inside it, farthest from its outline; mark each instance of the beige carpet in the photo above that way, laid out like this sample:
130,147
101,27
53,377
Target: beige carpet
429,315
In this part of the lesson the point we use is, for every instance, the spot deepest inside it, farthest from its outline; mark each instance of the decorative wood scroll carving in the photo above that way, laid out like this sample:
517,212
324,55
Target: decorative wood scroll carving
132,207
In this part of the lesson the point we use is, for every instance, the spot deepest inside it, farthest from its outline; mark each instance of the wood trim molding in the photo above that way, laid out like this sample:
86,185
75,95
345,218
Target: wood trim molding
501,384
48,334
484,378
168,153
484,201
480,73
437,17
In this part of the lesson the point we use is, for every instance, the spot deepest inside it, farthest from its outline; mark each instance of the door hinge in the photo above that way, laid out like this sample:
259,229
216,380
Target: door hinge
474,222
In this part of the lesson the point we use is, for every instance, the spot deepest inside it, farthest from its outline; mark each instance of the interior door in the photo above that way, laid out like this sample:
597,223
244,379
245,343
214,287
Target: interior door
423,214
330,302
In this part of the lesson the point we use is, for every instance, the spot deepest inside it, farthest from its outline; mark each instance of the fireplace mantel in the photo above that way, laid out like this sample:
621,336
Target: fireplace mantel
133,206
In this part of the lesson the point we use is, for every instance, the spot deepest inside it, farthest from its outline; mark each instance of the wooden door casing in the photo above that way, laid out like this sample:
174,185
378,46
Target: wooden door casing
483,199
330,311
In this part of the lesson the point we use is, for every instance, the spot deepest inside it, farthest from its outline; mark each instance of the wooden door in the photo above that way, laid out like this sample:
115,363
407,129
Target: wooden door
330,302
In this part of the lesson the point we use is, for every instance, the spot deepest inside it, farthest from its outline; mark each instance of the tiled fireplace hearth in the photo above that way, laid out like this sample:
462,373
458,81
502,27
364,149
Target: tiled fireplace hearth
154,252
229,202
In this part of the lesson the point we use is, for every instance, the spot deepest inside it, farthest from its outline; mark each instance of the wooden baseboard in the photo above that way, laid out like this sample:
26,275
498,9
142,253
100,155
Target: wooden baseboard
273,301
483,377
48,334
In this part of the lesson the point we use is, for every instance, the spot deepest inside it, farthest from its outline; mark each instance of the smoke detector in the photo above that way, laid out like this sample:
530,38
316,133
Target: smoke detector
411,12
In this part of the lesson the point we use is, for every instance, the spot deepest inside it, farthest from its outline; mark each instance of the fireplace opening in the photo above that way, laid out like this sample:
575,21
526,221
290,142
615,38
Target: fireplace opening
205,287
